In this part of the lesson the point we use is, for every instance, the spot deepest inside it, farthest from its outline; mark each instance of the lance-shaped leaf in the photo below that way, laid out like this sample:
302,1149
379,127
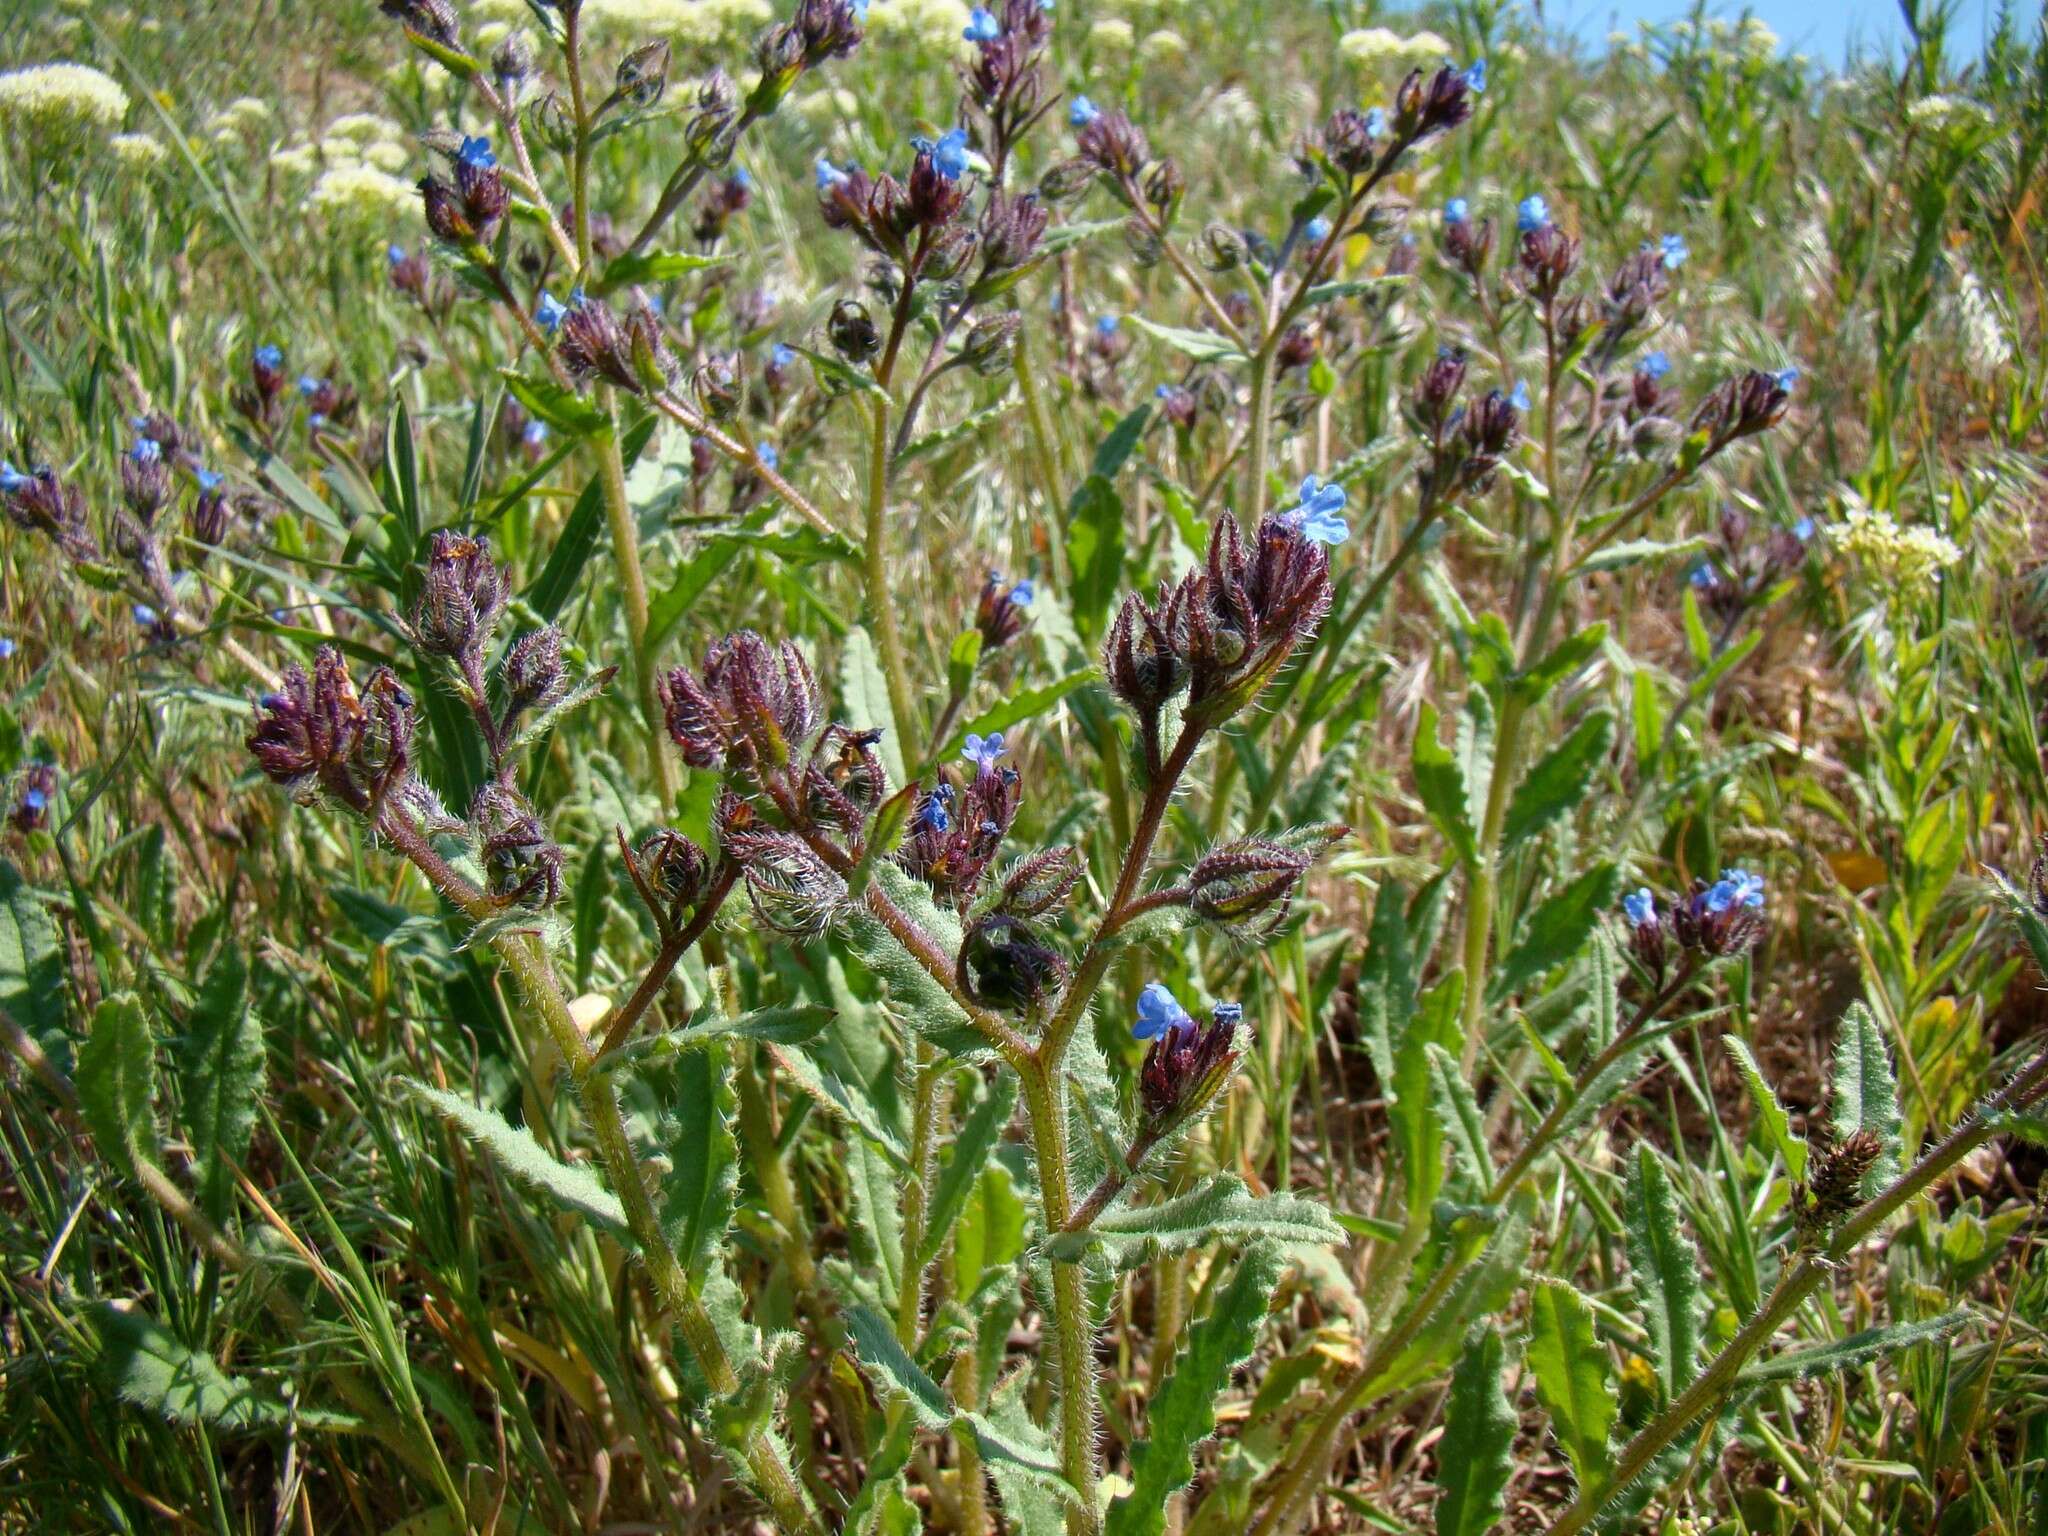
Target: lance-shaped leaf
1440,782
1183,1409
32,987
1464,1126
1573,1381
848,1101
701,1188
220,1077
1472,1460
116,1080
1866,1094
1665,1271
514,1149
1417,1129
1857,1349
1557,929
152,1368
1772,1123
1561,780
1220,1208
966,1157
867,700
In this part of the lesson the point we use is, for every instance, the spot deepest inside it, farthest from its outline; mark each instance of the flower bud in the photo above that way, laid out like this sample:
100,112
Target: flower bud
1004,964
1040,884
460,597
522,867
642,75
1724,918
852,332
1222,248
1188,1066
989,341
34,795
533,671
1247,886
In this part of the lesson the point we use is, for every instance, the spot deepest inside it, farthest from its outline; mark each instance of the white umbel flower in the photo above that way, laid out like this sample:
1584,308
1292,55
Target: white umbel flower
138,151
60,98
361,193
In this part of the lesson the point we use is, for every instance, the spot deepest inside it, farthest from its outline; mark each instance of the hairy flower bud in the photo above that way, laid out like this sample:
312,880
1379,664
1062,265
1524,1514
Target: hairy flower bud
533,671
1040,884
1247,886
460,597
755,706
852,332
989,341
1836,1188
642,75
1188,1065
999,613
522,867
1724,918
1222,249
431,19
41,503
631,356
1141,657
1003,963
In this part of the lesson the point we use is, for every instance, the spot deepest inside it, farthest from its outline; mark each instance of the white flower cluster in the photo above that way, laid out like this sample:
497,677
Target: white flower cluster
1976,321
58,101
1937,113
934,25
689,23
1383,45
241,116
359,157
1905,560
361,194
138,151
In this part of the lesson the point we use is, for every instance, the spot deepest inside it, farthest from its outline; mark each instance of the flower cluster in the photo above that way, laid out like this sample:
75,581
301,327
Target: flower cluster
1714,919
1188,1063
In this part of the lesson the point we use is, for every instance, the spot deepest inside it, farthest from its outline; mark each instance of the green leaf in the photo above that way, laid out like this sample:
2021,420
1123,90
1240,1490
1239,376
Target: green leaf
1417,1130
567,412
220,1077
1570,654
1440,781
1573,1380
701,1189
848,1101
1857,1349
1472,1460
650,267
32,989
1557,929
1665,1271
1115,450
1221,1207
577,541
1182,1412
1464,1126
152,1368
1202,346
1866,1096
965,1158
783,1024
514,1148
1773,1126
1025,704
867,700
1613,557
1561,780
116,1079
1095,553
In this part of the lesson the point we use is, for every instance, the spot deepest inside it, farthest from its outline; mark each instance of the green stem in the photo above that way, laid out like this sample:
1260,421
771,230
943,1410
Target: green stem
611,470
1073,1344
1260,446
881,612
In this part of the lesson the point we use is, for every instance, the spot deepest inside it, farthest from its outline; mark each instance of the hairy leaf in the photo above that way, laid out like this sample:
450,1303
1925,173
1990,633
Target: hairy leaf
867,701
1221,1207
965,1158
1472,1460
116,1079
1464,1126
1573,1381
701,1188
514,1148
1857,1349
220,1071
1665,1271
1557,929
1561,780
1866,1095
1440,781
31,965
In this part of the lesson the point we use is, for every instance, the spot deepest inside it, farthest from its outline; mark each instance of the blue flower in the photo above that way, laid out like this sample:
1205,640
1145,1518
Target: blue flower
395,254
143,614
1457,211
931,813
1519,399
11,479
1375,121
535,434
1475,77
1317,229
1803,529
6,648
949,155
1785,378
1231,1014
1532,213
551,312
577,297
1745,889
1158,1011
1640,906
982,27
741,177
208,480
1081,112
1702,575
769,455
1675,252
982,751
1655,364
34,799
146,451
1318,513
782,354
1022,593
269,357
476,154
310,386
1106,325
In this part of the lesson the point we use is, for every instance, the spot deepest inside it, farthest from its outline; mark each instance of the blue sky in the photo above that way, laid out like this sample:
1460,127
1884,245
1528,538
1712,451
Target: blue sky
1824,29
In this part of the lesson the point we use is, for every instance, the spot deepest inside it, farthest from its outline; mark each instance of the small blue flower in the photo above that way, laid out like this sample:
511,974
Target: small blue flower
1081,112
535,434
1655,364
394,254
982,27
6,648
949,155
1640,906
1107,325
1318,513
1532,213
1457,211
1675,252
769,455
577,297
145,450
35,799
1375,121
1745,889
1702,575
932,815
269,357
741,177
1022,593
310,386
208,480
1519,399
11,479
1231,1014
1475,77
1786,378
1803,530
1317,230
1158,1011
143,614
782,354
550,313
476,154
983,751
